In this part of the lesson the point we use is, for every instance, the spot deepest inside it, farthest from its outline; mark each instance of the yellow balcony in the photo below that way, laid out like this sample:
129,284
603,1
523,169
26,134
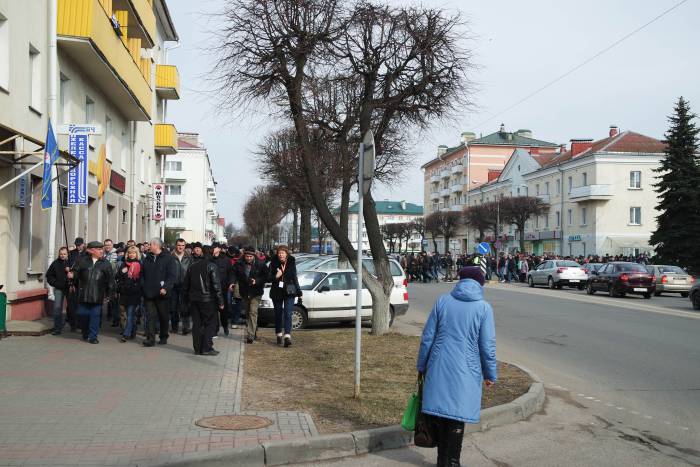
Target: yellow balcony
85,33
167,82
165,138
142,22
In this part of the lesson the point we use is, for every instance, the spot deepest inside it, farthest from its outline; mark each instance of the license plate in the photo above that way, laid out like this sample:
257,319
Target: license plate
574,280
640,289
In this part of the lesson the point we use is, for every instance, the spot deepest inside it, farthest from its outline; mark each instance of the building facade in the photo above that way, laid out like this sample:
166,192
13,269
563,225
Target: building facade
190,193
449,177
600,193
388,212
112,73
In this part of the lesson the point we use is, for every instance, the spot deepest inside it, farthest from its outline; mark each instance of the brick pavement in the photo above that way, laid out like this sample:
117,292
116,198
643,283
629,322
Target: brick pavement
66,402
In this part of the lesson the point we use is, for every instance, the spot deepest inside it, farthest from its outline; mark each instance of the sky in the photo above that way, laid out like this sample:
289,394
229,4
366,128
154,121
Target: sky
518,47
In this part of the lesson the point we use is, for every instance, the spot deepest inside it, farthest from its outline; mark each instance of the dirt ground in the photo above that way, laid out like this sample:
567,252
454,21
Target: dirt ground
315,375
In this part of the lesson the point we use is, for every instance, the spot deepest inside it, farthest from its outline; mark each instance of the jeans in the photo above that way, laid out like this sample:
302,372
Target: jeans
72,309
91,314
58,310
283,314
435,271
130,320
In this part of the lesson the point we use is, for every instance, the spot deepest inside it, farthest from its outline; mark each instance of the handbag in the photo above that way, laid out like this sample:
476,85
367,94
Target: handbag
425,432
291,289
410,413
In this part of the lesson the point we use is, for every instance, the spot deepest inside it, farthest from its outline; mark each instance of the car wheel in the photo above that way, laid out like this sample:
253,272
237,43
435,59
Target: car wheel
657,294
611,291
684,294
647,295
696,301
589,289
530,282
299,318
551,283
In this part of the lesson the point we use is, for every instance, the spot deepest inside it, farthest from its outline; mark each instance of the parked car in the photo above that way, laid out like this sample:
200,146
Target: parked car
590,267
671,279
695,295
558,273
330,296
621,278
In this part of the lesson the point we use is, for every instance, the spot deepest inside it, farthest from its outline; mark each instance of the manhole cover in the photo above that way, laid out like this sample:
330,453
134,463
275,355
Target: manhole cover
234,422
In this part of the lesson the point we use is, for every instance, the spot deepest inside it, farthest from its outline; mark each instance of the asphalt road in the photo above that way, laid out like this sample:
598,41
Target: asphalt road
629,361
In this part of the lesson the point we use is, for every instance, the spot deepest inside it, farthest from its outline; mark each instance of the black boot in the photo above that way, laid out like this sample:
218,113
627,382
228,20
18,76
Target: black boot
454,434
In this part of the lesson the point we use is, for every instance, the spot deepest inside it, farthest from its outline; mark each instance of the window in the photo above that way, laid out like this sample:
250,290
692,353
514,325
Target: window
571,183
635,179
558,216
108,138
558,186
174,166
125,216
4,53
64,102
584,220
124,154
90,117
174,213
635,216
537,189
142,163
537,222
546,221
34,79
584,179
173,189
546,188
570,216
518,191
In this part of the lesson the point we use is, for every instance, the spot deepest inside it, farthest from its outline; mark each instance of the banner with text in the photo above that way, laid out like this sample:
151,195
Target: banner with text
158,201
78,175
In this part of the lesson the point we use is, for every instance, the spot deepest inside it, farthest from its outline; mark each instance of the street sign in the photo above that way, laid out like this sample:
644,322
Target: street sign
158,202
79,128
368,161
483,248
78,175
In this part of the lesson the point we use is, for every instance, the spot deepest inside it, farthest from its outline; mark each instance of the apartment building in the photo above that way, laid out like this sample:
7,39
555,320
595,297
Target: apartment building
190,193
600,193
388,212
112,73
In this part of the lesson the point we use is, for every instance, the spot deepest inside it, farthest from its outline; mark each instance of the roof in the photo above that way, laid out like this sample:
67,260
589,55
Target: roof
497,139
393,207
625,142
184,144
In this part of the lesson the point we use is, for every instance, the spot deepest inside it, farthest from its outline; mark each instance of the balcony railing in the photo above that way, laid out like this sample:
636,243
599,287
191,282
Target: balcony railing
434,195
165,138
445,192
445,173
143,22
457,188
544,198
175,175
435,178
86,34
457,169
590,193
167,82
175,199
456,208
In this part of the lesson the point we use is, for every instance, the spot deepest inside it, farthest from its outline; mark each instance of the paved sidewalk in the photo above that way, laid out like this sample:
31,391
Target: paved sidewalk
66,402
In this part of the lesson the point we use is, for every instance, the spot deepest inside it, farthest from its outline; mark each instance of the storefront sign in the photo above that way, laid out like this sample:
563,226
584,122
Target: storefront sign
550,234
117,182
78,175
158,201
574,238
21,191
531,236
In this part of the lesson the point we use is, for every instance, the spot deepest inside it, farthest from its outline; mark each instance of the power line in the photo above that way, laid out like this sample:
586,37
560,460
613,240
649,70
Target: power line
583,63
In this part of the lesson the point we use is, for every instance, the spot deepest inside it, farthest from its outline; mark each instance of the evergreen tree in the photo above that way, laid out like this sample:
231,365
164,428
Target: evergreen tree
678,222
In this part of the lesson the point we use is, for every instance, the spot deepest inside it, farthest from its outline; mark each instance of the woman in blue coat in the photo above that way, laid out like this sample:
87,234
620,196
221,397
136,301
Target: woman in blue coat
457,354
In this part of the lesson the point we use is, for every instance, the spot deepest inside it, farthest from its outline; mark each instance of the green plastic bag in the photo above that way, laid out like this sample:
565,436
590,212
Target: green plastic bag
410,413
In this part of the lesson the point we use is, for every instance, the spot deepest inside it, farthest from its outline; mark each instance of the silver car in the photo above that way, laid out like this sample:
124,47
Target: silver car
557,273
671,279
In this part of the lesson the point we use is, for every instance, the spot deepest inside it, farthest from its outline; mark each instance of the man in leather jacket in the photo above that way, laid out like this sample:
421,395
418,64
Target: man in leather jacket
178,310
202,291
95,283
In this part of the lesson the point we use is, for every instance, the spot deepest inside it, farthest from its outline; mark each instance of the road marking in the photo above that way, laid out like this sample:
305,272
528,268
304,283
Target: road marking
590,398
634,412
610,405
685,428
648,417
620,408
581,395
613,303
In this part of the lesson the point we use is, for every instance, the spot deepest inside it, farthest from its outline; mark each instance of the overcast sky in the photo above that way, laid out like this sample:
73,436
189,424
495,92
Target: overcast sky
518,47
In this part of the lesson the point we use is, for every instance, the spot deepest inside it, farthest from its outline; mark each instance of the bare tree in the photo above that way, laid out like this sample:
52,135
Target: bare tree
261,214
443,224
410,68
518,210
477,217
418,226
391,234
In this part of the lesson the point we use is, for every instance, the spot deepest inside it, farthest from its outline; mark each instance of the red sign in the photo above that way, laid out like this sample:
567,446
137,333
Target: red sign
158,201
117,182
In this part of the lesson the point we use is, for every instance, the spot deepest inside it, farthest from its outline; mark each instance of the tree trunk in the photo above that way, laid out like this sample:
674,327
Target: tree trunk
385,281
522,238
434,243
305,230
295,230
447,244
344,211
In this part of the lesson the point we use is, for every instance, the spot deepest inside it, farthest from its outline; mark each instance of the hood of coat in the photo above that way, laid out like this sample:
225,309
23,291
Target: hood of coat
468,290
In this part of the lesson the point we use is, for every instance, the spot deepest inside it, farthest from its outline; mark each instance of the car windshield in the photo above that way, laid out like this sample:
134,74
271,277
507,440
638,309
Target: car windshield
567,264
310,279
671,270
631,267
332,264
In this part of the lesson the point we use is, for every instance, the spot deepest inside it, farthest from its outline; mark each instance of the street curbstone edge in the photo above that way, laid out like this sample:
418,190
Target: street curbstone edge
248,456
309,449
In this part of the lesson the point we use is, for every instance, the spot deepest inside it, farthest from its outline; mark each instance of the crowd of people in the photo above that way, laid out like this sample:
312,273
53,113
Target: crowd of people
507,267
188,289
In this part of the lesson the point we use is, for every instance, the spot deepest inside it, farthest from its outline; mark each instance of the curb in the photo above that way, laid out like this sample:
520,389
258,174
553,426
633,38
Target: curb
356,443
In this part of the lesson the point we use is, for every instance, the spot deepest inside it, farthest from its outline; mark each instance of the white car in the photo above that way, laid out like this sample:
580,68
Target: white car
557,273
330,296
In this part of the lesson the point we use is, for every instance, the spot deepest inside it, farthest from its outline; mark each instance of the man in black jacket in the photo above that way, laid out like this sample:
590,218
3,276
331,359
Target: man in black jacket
94,281
222,261
250,274
57,277
159,272
202,291
178,310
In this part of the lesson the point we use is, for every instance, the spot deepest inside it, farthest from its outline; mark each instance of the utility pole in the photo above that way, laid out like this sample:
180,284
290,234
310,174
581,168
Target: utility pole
52,103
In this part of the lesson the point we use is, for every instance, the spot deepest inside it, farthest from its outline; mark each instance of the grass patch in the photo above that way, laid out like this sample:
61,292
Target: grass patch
315,375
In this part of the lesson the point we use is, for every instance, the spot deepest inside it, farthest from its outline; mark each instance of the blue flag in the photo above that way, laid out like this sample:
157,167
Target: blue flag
50,157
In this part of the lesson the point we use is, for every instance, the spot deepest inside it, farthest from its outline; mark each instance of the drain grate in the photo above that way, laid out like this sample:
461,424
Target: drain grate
234,422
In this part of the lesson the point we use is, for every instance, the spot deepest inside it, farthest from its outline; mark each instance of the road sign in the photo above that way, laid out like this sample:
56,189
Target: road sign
483,248
158,202
368,157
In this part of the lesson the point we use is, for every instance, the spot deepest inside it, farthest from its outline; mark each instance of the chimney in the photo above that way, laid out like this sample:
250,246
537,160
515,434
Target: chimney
442,149
562,148
403,205
580,145
468,136
613,130
503,128
494,174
